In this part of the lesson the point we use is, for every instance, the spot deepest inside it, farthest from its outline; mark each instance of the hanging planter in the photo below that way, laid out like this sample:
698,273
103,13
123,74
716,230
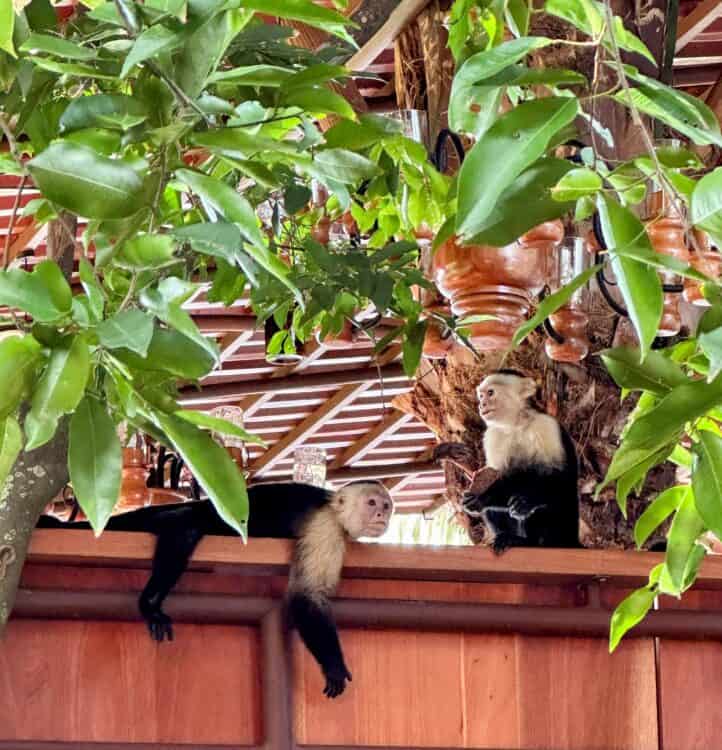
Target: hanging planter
705,260
497,281
438,341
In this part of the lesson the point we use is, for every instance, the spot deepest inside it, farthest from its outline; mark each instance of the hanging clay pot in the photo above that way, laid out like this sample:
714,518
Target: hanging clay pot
705,260
499,281
667,237
436,344
341,340
571,258
133,490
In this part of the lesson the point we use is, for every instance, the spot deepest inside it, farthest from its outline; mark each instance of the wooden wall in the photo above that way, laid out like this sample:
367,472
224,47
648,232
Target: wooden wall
107,682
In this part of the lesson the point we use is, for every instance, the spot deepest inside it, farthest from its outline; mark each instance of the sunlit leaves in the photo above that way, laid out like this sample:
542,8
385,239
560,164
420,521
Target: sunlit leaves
94,461
77,178
576,184
629,613
7,25
44,293
59,390
655,373
128,329
20,357
146,251
149,43
657,512
216,424
706,204
513,143
686,528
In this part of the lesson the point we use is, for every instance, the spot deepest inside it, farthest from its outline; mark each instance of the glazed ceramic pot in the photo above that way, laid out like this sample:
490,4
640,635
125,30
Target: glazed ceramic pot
705,260
498,281
666,233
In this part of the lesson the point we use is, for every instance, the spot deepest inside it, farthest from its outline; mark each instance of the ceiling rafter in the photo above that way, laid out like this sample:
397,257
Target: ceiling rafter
344,396
371,439
689,26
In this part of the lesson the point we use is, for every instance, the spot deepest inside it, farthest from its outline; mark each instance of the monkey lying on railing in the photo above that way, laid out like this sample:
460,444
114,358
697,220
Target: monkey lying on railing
322,521
530,497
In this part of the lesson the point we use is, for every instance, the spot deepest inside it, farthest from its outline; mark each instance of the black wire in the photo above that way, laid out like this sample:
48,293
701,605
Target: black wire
439,158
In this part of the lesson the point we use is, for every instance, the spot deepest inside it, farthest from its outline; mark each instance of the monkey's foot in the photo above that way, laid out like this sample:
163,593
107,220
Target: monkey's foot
160,626
336,682
503,541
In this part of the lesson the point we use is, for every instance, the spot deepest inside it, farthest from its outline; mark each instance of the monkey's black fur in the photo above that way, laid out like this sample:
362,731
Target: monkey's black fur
532,505
278,510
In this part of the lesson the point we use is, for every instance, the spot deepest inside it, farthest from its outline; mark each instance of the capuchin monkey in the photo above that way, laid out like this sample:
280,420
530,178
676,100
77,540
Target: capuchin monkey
320,520
532,500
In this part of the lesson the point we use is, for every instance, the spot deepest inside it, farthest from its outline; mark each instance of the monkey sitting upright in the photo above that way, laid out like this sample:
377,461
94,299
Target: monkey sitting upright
533,499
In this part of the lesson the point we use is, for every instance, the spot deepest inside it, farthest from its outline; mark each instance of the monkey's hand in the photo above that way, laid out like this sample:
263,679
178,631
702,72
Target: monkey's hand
160,626
336,681
521,507
501,543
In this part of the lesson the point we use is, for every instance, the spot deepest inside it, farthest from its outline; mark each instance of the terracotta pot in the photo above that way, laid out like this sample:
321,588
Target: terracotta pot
321,232
571,324
435,345
499,281
706,261
341,340
133,491
667,236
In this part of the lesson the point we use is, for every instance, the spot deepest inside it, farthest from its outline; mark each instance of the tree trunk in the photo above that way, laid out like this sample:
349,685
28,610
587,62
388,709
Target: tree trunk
39,475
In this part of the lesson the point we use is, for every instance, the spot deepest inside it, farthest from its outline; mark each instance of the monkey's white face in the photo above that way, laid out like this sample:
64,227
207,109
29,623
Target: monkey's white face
503,397
365,509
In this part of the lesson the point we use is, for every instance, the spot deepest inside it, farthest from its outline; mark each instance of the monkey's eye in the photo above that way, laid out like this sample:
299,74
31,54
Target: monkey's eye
490,392
372,502
386,506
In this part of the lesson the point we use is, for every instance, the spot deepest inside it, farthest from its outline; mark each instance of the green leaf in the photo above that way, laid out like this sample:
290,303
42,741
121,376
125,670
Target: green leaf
20,357
307,12
7,26
369,130
645,254
706,204
686,528
576,184
128,329
516,140
220,239
315,74
413,346
295,197
711,344
216,424
657,512
44,293
59,391
656,373
680,111
148,44
344,166
146,251
56,46
631,42
584,14
113,111
707,480
473,106
552,303
235,208
635,477
77,178
70,69
319,99
238,144
93,291
214,469
517,14
11,443
165,303
171,352
94,461
638,283
525,204
253,75
630,612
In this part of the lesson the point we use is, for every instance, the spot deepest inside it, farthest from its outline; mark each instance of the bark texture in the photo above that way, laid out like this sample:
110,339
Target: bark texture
38,475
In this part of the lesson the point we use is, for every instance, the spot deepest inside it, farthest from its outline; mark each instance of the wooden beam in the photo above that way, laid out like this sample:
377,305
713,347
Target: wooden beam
235,391
345,395
422,563
23,239
403,14
689,26
371,439
232,342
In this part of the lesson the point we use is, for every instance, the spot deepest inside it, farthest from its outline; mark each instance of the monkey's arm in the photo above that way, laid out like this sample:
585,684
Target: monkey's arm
312,617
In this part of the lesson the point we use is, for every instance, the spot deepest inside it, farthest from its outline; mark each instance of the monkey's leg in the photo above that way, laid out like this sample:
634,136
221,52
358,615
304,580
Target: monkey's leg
172,552
312,617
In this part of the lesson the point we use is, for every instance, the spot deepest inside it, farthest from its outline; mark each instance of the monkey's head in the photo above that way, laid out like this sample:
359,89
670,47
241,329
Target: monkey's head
364,508
503,395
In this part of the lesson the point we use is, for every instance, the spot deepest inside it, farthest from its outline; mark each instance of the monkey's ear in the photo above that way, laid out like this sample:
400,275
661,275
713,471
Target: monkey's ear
527,388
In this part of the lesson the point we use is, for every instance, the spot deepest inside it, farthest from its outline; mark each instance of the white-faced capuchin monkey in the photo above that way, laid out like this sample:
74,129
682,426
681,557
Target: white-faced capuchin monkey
320,520
532,500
